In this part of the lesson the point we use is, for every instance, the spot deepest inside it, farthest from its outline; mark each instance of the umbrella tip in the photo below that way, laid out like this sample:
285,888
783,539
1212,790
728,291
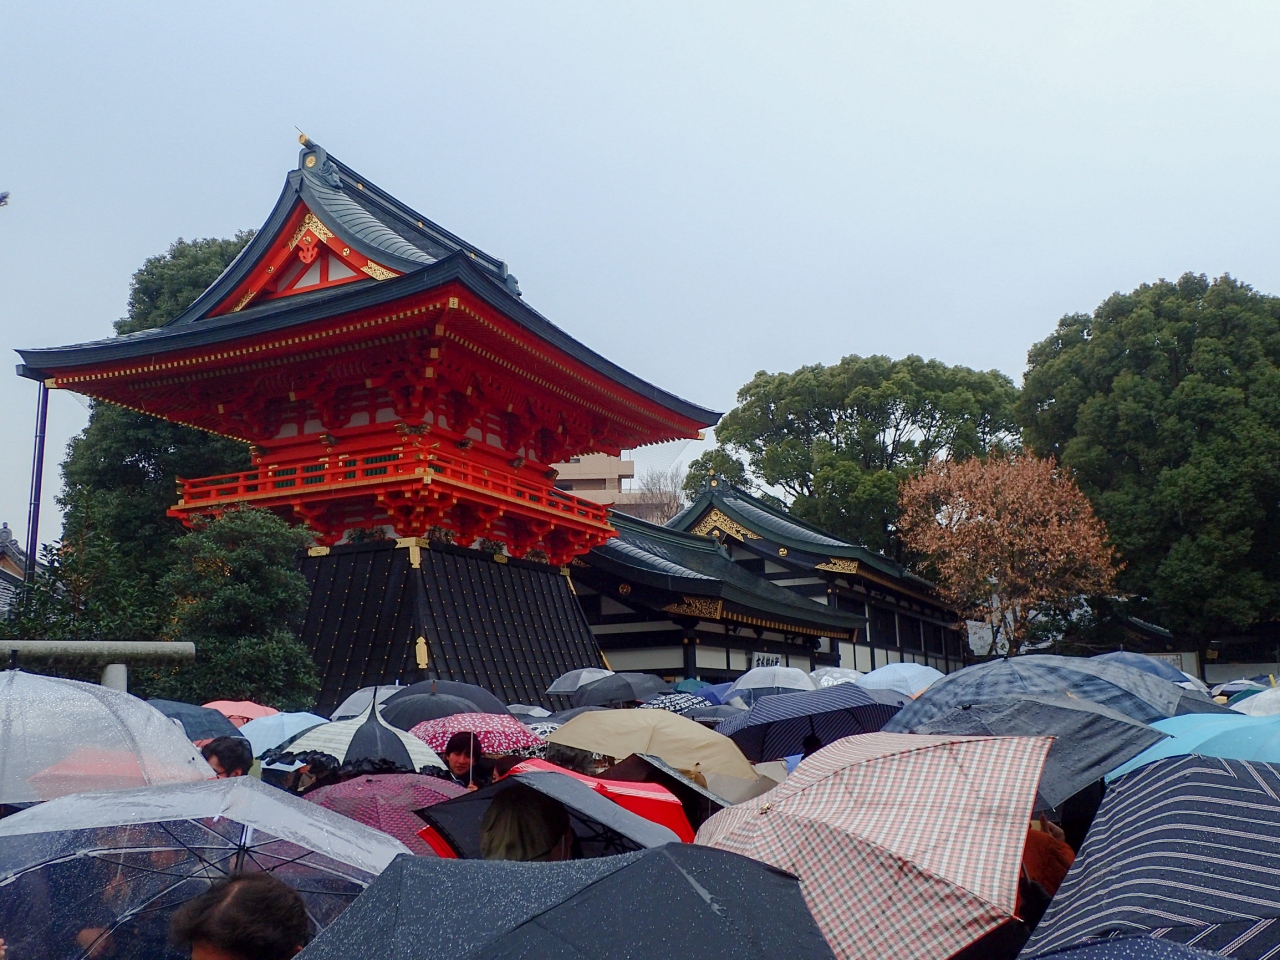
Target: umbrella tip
13,659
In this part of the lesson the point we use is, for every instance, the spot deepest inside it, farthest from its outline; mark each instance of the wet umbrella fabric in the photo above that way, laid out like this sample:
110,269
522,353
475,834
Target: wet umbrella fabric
571,681
677,740
497,733
1232,736
240,712
777,727
1265,703
831,676
1140,661
909,679
602,827
1090,740
62,736
357,704
1183,850
767,681
906,846
676,702
677,900
199,723
1132,948
386,802
691,685
365,738
481,697
119,863
619,688
267,732
407,712
1132,692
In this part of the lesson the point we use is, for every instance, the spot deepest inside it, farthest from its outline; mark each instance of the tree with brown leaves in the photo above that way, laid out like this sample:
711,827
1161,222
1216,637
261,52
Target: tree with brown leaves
1006,538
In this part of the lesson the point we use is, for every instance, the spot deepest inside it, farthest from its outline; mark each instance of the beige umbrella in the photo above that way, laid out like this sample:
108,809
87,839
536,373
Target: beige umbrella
908,847
685,745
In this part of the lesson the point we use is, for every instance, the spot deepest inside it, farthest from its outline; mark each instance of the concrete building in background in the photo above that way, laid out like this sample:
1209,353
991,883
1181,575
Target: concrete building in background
611,480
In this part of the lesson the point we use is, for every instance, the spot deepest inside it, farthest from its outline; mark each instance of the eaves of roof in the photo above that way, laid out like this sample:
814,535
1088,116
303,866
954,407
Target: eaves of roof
681,562
274,315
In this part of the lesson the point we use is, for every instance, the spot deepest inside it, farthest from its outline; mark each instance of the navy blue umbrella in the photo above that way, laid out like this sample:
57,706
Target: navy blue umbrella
1133,948
778,726
199,723
1140,661
1132,692
1183,849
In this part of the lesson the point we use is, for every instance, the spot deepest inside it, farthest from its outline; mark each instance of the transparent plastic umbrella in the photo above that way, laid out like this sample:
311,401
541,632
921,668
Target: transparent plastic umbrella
62,736
100,874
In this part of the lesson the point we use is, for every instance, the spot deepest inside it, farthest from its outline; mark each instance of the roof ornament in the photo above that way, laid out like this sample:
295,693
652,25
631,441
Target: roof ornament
313,159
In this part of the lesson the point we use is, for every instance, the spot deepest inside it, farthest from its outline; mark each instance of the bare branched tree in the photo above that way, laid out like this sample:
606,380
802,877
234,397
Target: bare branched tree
657,496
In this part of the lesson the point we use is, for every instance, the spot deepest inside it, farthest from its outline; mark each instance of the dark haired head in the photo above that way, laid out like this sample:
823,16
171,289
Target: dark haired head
463,742
232,753
251,916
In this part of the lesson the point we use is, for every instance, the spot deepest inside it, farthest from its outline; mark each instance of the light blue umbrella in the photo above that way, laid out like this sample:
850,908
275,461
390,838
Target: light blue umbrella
267,732
906,678
1211,735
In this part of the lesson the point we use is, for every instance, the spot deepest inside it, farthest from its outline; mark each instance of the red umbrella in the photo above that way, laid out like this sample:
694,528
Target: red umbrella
386,802
649,800
497,734
241,712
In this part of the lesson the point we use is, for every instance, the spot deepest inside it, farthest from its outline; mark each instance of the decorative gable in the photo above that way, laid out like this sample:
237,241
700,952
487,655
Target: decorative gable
308,256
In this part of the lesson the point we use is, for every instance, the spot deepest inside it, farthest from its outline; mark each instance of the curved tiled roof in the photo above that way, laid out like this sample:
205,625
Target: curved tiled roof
648,553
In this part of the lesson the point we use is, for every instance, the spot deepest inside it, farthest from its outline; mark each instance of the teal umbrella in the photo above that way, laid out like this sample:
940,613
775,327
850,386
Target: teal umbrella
1211,735
691,685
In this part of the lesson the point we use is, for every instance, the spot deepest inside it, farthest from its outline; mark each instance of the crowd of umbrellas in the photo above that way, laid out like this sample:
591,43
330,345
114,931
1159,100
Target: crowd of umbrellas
831,813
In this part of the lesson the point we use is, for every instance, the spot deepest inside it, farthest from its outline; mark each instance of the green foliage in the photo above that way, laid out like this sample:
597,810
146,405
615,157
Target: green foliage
119,473
87,591
238,595
839,439
1166,404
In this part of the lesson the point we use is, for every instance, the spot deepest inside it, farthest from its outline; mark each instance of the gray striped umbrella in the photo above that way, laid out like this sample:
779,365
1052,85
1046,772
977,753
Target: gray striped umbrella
778,726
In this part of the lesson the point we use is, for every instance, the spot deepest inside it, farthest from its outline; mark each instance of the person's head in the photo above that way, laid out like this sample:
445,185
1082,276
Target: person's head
229,756
461,752
252,916
523,824
811,744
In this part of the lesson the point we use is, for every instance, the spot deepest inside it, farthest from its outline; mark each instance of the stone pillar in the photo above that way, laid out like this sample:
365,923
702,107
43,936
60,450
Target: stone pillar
116,676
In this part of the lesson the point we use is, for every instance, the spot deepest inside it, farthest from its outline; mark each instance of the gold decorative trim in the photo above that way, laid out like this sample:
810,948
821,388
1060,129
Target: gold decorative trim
833,632
378,271
421,653
703,607
310,222
240,305
716,520
838,565
317,551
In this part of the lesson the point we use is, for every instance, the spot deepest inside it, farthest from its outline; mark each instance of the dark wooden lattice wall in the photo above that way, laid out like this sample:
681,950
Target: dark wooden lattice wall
509,627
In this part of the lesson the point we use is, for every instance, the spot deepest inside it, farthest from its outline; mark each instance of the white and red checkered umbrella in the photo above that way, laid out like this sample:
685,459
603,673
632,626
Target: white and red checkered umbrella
907,847
497,733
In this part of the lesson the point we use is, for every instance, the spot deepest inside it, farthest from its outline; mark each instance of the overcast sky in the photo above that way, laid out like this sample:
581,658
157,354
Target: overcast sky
698,191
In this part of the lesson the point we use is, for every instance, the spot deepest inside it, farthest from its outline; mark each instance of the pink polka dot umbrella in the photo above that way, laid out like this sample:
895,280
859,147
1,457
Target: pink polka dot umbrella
497,734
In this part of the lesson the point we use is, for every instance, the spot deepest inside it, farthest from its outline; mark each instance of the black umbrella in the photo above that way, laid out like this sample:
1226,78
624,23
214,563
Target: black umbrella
1183,849
601,826
778,726
405,713
200,723
482,698
1090,740
362,744
677,900
619,688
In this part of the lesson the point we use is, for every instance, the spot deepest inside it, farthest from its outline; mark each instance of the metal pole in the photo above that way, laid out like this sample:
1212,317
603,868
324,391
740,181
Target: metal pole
37,480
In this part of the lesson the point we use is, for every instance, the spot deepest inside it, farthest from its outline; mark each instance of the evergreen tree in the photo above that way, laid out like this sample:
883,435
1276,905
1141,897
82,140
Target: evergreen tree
237,594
